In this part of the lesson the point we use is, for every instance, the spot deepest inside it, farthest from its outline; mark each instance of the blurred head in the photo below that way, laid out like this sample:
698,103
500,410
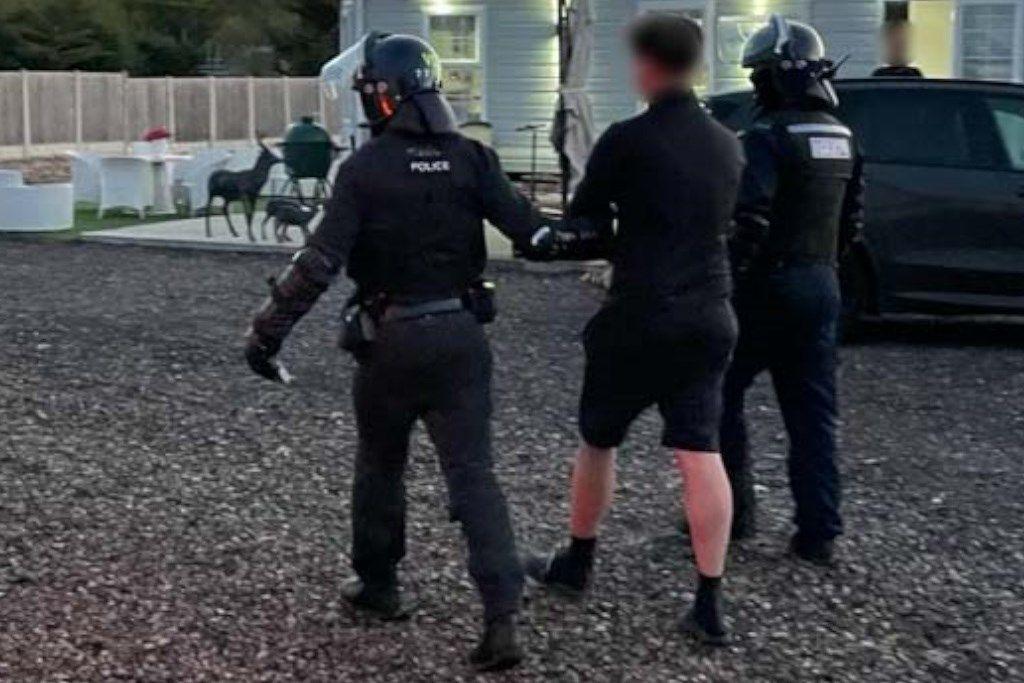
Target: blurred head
667,53
896,43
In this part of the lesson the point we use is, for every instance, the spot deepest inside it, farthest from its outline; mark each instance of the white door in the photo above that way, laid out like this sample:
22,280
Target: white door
990,40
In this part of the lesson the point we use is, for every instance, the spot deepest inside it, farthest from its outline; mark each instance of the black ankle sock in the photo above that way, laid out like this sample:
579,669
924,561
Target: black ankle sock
708,587
582,549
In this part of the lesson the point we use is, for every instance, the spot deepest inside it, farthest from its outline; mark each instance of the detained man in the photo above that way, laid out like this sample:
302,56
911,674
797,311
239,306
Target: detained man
669,178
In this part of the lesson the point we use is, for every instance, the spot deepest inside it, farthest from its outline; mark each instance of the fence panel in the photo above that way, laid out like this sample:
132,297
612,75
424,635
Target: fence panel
52,105
10,109
192,109
66,108
103,115
232,108
270,106
305,95
147,105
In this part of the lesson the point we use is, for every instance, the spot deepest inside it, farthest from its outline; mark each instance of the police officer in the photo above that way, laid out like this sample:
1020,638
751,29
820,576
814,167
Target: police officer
799,210
665,335
406,219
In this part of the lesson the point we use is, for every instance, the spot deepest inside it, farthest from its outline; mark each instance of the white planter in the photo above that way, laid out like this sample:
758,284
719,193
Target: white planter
37,208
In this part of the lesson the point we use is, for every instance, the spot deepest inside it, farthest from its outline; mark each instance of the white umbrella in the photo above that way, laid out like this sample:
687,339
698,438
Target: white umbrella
573,131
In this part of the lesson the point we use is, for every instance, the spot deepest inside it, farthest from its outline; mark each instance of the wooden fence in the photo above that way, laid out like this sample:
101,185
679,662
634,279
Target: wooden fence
42,111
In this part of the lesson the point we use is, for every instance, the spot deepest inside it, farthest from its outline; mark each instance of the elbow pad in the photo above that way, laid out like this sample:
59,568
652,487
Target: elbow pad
293,294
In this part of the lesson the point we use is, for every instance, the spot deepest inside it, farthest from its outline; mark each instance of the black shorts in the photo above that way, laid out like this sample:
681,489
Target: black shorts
674,356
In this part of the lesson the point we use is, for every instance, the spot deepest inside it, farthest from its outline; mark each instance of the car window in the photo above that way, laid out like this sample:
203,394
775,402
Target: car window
921,127
1008,113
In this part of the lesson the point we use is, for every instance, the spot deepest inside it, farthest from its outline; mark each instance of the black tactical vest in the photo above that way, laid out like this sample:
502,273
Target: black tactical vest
421,226
818,158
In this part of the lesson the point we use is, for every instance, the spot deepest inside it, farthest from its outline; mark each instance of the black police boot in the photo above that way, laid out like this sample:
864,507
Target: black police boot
387,601
704,621
568,570
814,550
499,647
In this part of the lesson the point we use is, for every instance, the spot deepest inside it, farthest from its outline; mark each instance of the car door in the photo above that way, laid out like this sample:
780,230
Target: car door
937,200
1002,261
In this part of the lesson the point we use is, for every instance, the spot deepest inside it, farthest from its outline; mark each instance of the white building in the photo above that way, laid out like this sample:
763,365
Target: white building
501,56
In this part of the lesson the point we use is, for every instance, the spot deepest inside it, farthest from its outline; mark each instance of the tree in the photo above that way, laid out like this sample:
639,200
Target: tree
60,34
168,37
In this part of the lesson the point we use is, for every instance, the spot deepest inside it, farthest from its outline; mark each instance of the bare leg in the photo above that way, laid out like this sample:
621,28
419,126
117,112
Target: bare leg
708,500
593,489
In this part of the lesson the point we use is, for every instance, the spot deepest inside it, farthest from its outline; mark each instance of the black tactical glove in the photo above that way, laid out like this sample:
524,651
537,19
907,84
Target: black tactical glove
260,354
576,240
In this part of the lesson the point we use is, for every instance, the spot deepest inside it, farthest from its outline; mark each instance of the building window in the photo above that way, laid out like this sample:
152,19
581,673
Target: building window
457,37
990,40
733,33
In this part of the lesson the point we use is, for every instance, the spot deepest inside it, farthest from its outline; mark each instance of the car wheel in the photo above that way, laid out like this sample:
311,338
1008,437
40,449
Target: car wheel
856,287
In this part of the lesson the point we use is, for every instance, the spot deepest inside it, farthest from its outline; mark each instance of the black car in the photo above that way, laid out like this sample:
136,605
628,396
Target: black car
945,202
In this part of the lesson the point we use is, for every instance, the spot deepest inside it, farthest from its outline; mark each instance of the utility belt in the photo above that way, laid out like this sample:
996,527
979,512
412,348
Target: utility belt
364,315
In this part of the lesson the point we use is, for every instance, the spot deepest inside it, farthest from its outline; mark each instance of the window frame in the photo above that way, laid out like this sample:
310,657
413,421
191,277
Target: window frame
1018,45
480,13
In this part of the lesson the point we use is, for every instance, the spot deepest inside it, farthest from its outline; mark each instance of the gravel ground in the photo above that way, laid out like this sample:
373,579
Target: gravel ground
165,516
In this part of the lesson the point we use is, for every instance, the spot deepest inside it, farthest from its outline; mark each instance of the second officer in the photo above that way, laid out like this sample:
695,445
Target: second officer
799,211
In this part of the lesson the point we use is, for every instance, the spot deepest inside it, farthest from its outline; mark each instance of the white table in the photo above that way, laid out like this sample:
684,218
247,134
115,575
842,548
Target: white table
163,180
162,166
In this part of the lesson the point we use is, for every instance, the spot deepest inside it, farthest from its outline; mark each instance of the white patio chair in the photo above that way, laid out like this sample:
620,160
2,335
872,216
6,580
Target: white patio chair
85,176
192,178
11,178
125,182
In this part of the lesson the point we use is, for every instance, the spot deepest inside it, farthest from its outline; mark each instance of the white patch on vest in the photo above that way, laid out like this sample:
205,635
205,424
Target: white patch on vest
831,148
441,166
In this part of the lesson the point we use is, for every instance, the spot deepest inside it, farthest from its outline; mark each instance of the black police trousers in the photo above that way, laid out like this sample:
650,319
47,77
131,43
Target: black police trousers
788,325
438,369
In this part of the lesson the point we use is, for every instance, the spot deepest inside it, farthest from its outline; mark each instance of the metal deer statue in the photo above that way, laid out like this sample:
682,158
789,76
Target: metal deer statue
243,186
287,213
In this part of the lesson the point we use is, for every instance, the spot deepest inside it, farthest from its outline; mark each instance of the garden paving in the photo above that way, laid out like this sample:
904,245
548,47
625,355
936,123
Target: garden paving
190,233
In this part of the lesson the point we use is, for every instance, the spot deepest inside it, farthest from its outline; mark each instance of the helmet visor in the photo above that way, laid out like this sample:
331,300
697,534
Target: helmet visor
338,76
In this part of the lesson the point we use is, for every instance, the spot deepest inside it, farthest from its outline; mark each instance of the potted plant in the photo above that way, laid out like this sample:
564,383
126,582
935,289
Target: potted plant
159,138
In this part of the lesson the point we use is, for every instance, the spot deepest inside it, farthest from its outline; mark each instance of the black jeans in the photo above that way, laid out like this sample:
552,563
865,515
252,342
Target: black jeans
438,369
788,325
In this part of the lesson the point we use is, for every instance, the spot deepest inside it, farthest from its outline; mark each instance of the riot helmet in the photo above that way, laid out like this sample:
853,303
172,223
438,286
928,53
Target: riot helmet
386,70
789,66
